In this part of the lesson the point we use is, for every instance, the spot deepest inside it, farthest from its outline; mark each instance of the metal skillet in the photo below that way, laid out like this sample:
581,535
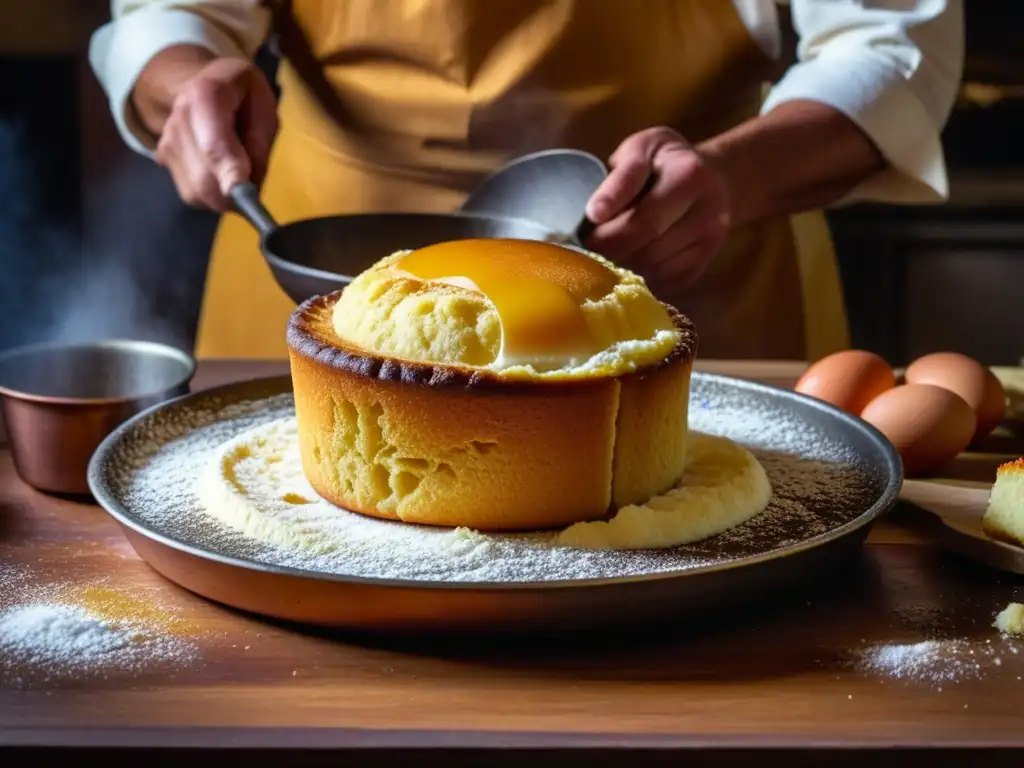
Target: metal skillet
312,257
535,197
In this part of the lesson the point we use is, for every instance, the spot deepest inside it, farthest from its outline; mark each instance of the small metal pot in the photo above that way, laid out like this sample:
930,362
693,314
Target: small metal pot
61,400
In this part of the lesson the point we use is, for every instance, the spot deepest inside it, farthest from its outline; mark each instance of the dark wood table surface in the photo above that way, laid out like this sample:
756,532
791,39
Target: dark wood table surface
781,678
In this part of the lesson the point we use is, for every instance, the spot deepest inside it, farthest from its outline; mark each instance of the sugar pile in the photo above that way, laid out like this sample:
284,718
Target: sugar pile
59,632
819,483
66,638
937,661
933,661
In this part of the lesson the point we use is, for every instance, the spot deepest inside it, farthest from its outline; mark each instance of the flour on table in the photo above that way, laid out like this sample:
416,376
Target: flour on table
936,662
926,661
67,637
67,631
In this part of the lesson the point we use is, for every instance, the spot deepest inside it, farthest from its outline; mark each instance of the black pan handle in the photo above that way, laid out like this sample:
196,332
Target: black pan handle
246,197
587,227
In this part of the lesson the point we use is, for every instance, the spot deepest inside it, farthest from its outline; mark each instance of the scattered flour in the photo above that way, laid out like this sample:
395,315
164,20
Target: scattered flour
936,662
11,577
68,638
66,631
819,483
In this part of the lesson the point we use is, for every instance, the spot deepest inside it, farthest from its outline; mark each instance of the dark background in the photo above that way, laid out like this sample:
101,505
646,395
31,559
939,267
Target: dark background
916,279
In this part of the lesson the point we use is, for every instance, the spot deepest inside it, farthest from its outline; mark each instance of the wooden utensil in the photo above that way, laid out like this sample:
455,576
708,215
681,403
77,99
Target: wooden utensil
959,506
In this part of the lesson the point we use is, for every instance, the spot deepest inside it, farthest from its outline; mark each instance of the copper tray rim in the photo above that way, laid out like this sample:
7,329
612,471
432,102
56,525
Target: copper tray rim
271,386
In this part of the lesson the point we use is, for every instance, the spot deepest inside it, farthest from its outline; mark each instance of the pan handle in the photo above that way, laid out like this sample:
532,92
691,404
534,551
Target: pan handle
246,197
586,227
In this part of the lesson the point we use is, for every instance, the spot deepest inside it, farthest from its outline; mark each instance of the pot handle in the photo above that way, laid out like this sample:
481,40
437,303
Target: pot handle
246,198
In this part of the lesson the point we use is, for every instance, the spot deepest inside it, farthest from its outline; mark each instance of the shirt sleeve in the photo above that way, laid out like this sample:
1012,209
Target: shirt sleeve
893,67
121,49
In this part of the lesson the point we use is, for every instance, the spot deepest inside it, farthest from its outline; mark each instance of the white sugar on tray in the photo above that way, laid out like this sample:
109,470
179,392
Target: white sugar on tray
818,484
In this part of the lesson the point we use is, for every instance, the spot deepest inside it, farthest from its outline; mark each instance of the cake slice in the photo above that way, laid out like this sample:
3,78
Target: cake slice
1004,518
1010,620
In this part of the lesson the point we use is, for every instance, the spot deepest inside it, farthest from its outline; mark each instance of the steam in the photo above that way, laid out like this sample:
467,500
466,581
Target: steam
106,300
134,269
140,272
27,249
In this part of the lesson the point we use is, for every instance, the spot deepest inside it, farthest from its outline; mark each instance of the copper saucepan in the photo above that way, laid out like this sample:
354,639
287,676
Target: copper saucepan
61,400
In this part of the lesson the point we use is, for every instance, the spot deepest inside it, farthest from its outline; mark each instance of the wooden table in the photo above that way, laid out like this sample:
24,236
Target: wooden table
773,679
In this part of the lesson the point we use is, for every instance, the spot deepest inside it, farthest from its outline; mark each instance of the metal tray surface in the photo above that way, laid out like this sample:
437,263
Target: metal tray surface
843,475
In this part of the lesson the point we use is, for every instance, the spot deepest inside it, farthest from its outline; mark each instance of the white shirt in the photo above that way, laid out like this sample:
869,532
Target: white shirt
892,66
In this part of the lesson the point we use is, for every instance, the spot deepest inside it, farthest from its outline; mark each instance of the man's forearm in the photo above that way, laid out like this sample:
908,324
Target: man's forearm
800,156
162,79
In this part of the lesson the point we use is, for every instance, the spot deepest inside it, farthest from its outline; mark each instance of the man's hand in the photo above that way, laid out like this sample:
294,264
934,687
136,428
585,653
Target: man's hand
670,233
216,119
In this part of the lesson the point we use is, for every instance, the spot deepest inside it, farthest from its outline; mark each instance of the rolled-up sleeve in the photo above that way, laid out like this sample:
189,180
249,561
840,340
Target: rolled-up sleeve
891,66
121,49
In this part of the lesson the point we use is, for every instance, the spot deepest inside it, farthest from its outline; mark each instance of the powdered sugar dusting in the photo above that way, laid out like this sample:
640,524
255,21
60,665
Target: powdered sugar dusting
68,638
11,577
936,662
930,660
58,631
820,481
935,641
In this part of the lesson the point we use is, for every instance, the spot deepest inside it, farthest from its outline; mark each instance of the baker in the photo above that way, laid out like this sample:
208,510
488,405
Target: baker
405,105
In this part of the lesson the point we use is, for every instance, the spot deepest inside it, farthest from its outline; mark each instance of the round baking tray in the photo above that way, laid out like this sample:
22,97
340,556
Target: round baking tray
396,605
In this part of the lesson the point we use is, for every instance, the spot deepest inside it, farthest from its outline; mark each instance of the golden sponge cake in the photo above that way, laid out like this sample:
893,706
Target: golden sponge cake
500,385
1004,518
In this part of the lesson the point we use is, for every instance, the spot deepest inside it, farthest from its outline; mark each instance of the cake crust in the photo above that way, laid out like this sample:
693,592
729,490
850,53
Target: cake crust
310,335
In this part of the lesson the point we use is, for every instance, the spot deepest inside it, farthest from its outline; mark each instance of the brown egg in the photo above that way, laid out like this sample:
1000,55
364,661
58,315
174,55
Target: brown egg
974,382
928,425
849,380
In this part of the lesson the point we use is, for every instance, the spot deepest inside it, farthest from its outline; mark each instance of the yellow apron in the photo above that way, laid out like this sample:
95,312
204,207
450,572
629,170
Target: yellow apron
404,105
